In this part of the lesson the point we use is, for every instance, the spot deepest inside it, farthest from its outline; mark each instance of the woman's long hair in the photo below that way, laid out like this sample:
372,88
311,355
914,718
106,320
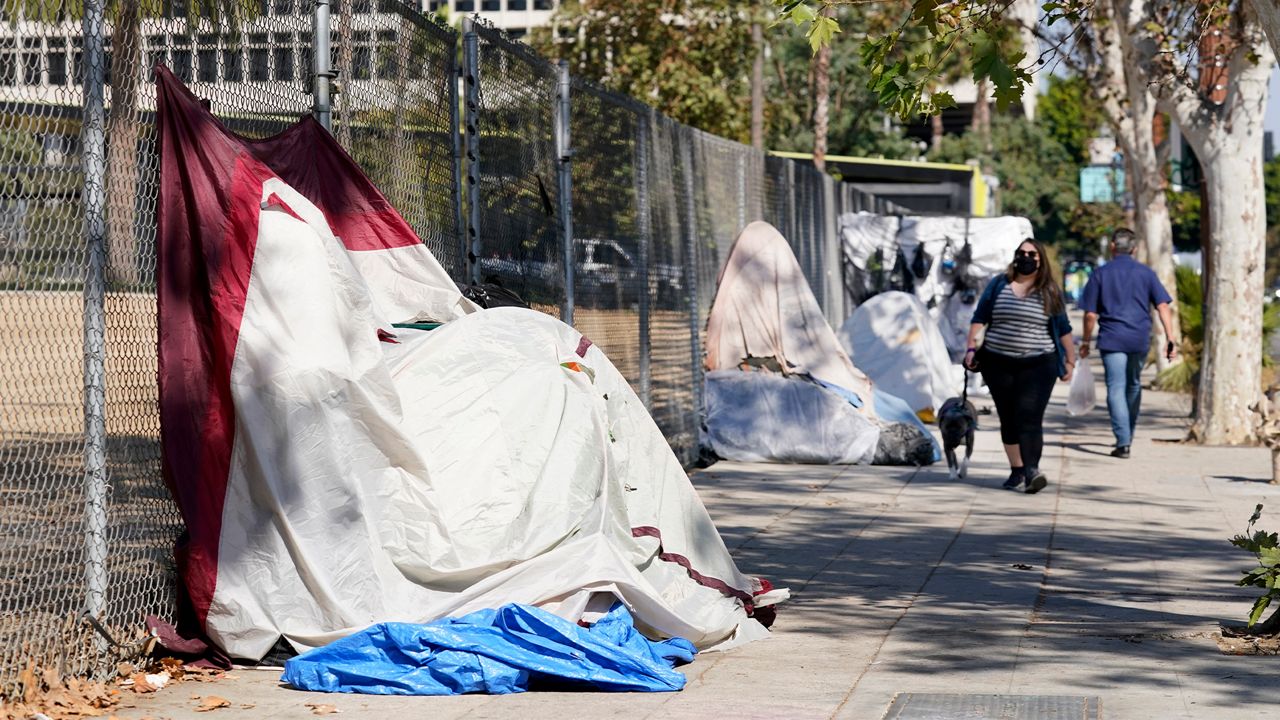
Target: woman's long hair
1045,283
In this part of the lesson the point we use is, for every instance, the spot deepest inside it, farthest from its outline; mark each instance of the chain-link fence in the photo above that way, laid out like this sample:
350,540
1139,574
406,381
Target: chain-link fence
578,199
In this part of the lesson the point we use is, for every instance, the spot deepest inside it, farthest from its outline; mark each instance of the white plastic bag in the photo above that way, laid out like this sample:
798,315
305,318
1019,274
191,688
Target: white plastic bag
1081,396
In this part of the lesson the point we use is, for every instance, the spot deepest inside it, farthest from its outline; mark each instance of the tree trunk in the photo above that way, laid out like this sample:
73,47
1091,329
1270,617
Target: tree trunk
1275,466
935,132
822,100
1151,209
982,115
1269,17
1231,362
757,88
123,128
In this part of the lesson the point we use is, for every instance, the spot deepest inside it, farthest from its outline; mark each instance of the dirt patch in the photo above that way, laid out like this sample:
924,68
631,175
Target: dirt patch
1234,642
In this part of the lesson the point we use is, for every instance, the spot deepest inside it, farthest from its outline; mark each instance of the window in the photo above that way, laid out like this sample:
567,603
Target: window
490,5
362,56
208,71
388,55
517,5
183,62
57,64
31,61
464,6
544,5
305,62
282,54
77,60
232,69
436,6
8,64
259,57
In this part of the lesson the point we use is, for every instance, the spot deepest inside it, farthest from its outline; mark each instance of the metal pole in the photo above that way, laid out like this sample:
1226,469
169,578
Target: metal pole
691,263
644,127
742,188
471,78
792,225
93,140
320,65
564,173
455,138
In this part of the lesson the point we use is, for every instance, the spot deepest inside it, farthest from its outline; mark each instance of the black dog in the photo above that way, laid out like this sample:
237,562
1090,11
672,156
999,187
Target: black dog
957,420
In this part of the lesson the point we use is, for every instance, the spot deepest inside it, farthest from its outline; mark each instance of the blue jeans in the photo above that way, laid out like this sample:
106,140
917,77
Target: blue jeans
1124,391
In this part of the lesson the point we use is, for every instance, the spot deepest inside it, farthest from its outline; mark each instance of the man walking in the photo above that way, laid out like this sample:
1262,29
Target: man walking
1117,300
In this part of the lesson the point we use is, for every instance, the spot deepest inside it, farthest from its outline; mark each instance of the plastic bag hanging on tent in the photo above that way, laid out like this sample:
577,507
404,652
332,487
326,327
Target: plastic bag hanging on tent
1081,396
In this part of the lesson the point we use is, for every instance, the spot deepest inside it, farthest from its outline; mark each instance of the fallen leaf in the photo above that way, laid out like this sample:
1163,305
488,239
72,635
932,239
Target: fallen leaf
319,709
141,685
212,702
125,669
247,706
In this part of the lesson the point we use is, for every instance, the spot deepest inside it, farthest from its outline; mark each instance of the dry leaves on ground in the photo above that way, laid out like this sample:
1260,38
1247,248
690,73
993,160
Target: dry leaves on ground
212,702
320,709
46,692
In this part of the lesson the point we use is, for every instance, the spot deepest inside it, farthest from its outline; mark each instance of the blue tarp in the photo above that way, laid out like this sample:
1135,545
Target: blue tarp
493,651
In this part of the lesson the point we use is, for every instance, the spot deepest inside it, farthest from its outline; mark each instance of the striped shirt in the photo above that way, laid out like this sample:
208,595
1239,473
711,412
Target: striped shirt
1019,326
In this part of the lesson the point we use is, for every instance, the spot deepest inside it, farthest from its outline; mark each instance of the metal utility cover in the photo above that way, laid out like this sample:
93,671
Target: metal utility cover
948,706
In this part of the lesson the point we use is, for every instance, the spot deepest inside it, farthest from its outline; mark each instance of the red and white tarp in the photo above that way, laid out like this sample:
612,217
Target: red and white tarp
334,471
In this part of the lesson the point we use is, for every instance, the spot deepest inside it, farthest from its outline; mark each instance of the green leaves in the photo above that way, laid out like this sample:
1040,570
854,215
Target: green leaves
1258,606
821,33
1266,547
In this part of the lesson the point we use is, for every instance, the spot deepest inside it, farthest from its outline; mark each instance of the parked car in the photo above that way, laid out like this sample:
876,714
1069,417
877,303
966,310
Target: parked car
607,274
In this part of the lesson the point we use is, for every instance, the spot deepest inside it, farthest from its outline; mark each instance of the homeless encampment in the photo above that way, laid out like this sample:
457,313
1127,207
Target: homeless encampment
896,342
944,260
339,465
779,388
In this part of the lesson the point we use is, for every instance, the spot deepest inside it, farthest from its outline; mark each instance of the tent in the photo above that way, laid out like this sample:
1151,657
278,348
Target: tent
779,387
896,342
340,465
943,260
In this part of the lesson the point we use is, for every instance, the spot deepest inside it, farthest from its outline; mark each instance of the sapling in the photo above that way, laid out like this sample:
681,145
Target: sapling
1265,547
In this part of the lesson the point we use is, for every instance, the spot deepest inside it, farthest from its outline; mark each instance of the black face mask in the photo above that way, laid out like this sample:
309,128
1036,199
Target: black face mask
1025,265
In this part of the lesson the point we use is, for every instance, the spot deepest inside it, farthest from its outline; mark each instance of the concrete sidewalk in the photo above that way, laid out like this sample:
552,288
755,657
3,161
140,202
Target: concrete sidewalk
1109,583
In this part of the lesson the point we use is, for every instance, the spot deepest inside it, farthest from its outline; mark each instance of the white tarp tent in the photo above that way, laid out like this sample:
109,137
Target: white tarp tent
335,470
896,342
960,256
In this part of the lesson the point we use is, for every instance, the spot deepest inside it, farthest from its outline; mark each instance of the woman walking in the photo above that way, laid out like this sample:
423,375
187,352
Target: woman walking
1027,346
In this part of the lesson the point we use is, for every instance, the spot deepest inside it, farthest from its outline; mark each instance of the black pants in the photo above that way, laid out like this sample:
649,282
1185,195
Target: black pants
1021,388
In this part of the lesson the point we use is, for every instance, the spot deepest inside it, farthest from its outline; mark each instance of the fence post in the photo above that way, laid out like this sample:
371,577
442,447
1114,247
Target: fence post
471,78
645,228
321,72
93,140
793,226
833,251
691,262
741,162
564,176
455,139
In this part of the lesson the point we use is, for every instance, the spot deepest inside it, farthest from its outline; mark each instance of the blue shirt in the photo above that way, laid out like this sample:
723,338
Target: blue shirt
1122,293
